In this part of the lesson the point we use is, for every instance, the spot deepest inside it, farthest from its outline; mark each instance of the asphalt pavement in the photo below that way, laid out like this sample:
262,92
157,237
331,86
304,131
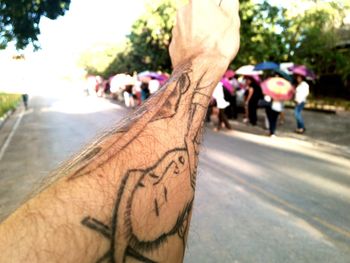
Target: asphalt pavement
258,199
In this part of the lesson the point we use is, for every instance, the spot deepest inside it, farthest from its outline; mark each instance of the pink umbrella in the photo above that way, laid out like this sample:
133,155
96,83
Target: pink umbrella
229,74
278,88
227,85
303,71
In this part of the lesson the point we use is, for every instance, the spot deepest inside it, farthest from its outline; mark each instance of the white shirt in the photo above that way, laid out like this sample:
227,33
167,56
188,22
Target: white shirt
277,105
153,86
218,95
302,91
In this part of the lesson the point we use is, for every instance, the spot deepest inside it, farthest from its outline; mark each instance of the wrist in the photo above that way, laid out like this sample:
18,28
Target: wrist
209,69
211,61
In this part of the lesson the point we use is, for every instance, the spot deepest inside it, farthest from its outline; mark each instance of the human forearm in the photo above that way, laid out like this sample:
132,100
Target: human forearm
152,165
129,195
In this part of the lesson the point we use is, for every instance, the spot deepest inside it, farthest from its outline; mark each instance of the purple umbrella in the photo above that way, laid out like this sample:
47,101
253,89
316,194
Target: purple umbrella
302,71
153,75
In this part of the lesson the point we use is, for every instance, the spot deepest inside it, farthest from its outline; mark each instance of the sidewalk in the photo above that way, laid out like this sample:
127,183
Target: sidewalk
322,128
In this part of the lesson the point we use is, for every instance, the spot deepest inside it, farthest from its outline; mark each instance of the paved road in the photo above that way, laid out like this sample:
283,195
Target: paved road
258,199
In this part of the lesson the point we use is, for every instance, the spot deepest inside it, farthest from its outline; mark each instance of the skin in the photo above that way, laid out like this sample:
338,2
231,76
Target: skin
250,90
128,197
299,79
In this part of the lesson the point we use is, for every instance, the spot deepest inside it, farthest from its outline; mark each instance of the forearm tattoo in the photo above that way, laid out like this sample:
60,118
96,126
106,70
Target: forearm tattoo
161,194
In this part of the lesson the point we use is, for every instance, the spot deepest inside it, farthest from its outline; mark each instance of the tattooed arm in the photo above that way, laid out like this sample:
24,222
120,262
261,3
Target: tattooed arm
128,197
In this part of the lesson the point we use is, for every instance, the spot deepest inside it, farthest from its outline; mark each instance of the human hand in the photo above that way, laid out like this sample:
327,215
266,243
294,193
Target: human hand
206,27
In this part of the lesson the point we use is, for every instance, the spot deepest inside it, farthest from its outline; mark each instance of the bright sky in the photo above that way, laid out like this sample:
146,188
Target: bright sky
87,23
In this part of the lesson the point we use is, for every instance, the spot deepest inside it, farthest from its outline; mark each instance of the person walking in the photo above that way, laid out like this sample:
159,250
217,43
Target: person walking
273,112
25,99
221,104
301,93
254,95
230,84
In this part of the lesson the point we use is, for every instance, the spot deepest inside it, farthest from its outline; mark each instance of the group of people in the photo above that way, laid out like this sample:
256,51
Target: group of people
133,90
229,90
230,93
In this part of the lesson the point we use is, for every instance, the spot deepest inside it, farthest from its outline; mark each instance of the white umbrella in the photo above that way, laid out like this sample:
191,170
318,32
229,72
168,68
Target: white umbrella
119,81
248,70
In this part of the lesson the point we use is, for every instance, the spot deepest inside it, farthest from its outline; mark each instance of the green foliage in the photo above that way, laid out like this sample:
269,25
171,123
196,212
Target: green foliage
305,32
19,20
98,58
261,37
122,62
8,102
315,39
146,47
150,37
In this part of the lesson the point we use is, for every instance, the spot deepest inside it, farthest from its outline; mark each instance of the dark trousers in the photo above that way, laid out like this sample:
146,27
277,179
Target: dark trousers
209,112
223,119
25,99
252,107
272,116
231,111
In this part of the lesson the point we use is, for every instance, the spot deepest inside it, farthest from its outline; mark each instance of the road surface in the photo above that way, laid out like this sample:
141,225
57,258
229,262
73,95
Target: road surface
258,199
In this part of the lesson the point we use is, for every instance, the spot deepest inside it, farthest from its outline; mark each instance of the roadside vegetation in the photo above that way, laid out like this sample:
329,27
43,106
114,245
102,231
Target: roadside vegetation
8,102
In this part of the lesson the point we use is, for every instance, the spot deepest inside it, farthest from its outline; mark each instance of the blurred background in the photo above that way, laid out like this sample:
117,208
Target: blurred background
70,69
106,38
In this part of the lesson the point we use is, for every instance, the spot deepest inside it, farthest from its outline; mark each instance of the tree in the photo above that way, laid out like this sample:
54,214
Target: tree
19,20
261,38
303,32
313,37
145,48
150,37
97,59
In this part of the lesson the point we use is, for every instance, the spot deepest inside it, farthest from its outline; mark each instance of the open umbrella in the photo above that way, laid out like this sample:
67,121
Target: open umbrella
248,70
268,65
303,71
283,74
154,75
149,74
278,88
229,74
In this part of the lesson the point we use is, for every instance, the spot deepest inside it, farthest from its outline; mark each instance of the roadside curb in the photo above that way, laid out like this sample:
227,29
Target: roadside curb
259,131
343,150
5,117
319,107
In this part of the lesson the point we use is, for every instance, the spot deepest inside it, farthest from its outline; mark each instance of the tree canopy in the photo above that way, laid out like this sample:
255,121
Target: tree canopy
146,47
19,20
305,32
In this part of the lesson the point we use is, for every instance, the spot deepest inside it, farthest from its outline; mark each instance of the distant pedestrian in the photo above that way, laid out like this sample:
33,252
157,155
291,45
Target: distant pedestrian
145,93
230,84
273,111
221,105
153,86
301,94
129,97
254,95
25,99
